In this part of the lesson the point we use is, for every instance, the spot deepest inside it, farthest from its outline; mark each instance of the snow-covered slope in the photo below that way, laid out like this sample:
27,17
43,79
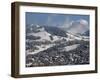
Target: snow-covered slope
45,40
42,34
77,37
40,38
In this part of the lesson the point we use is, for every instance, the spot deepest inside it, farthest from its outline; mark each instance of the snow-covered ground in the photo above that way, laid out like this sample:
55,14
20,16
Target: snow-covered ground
72,47
73,37
41,48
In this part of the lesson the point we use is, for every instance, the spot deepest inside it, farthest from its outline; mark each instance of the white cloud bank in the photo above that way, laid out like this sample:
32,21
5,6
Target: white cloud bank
79,26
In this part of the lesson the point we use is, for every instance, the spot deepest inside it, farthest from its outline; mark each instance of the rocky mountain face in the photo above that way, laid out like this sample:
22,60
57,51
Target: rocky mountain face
51,46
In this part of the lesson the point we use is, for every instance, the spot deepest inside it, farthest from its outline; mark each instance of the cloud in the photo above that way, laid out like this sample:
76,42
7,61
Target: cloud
72,26
79,26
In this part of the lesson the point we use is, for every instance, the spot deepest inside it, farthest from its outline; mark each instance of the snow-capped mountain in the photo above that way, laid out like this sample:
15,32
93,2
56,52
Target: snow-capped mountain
51,33
40,38
45,33
40,33
50,45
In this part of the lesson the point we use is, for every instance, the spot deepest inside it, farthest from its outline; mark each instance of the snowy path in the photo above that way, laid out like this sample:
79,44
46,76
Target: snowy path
72,47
